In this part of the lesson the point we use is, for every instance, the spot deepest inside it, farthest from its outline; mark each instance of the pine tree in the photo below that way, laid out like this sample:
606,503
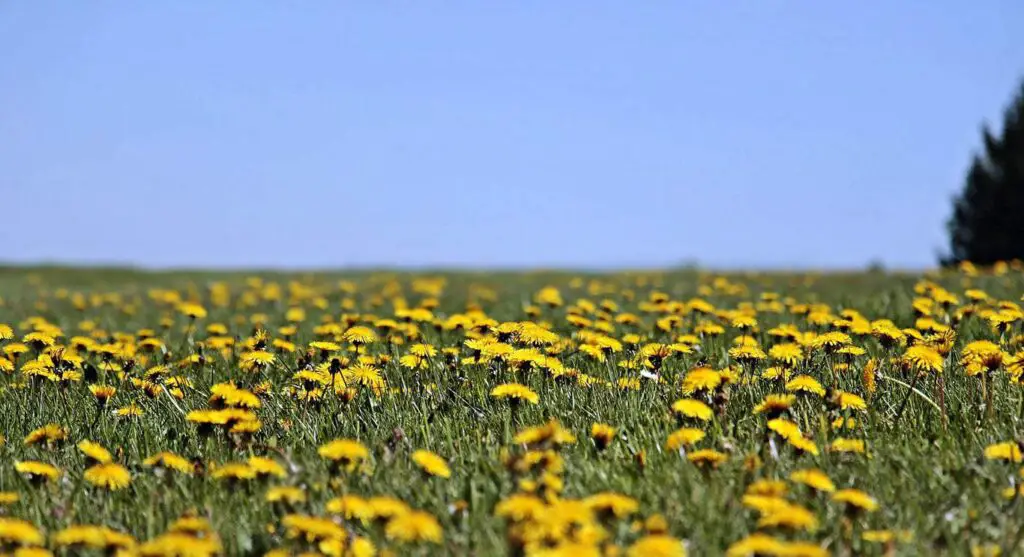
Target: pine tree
987,224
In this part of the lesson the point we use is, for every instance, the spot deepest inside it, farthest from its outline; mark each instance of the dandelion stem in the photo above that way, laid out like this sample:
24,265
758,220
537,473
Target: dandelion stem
906,398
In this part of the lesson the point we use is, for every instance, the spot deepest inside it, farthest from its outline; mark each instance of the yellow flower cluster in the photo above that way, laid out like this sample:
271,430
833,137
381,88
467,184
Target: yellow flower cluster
636,414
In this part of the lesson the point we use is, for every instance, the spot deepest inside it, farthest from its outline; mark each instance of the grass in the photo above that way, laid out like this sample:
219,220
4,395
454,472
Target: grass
925,466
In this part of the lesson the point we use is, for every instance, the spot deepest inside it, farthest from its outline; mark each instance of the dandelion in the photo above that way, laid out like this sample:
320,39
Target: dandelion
868,377
552,433
109,476
102,393
256,360
983,351
788,354
169,461
431,464
756,544
174,543
227,394
692,408
131,411
351,507
287,495
359,335
385,508
682,438
38,340
855,500
790,516
831,341
515,392
266,467
344,454
519,507
707,458
923,359
813,478
8,498
36,471
841,445
602,435
784,428
805,384
849,401
1009,451
747,353
94,537
414,526
612,504
701,379
17,532
48,435
192,311
775,405
94,452
803,445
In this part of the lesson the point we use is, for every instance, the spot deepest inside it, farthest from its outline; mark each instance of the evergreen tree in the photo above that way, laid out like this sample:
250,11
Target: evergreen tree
987,224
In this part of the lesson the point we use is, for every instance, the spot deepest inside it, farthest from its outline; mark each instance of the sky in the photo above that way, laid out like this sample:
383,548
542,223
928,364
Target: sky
753,134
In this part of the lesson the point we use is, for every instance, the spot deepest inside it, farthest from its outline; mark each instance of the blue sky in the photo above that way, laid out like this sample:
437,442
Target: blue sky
598,134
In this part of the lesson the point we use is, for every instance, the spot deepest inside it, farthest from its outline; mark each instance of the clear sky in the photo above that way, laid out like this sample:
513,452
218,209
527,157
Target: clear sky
731,133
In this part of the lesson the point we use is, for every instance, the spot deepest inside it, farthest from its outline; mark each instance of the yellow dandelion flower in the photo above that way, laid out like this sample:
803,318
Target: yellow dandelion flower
170,461
813,478
265,467
351,507
805,384
602,435
841,445
289,495
657,546
684,437
612,504
108,476
551,433
756,544
774,404
516,392
344,453
17,532
790,516
855,499
784,428
520,507
95,452
49,434
701,379
922,358
707,457
692,408
1008,451
359,335
431,463
383,507
37,471
414,526
849,401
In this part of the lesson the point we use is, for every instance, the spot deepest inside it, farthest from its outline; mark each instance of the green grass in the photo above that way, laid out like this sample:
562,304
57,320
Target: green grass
927,473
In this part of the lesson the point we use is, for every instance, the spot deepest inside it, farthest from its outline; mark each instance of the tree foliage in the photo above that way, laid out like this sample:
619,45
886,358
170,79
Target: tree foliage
987,224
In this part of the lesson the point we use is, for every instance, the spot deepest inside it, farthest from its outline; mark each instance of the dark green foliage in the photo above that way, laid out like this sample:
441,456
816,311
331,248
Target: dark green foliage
987,224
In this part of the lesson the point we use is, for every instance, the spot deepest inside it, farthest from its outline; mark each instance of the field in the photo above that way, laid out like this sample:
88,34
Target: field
637,414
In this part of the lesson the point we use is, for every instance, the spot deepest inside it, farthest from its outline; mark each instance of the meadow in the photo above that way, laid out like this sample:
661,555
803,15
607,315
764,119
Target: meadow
545,413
